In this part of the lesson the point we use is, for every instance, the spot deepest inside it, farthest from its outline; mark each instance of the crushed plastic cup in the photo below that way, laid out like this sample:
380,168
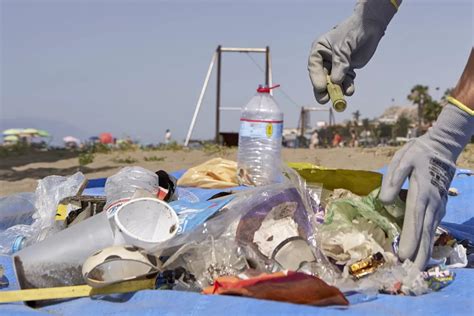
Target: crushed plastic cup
146,222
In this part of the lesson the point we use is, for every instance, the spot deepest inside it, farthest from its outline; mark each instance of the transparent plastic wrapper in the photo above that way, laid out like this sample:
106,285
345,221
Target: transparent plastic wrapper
17,209
49,192
259,223
123,185
216,173
398,279
357,227
16,216
209,259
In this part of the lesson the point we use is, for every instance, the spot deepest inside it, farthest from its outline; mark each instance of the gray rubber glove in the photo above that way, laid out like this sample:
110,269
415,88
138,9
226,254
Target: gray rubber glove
429,163
348,46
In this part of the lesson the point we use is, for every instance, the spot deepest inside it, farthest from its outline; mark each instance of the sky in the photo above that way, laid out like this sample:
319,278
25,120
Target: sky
135,68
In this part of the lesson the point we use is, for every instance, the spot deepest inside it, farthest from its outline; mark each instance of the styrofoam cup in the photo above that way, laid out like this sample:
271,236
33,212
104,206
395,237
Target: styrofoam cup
146,222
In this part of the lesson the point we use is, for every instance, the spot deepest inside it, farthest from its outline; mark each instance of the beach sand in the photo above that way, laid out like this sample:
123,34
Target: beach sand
20,173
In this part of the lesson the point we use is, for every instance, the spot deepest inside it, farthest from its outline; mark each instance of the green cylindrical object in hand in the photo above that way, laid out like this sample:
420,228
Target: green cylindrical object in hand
335,94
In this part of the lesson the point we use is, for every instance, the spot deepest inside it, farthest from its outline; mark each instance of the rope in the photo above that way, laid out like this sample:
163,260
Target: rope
279,89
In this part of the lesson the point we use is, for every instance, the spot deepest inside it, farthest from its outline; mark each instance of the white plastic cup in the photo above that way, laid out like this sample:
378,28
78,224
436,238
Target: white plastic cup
146,222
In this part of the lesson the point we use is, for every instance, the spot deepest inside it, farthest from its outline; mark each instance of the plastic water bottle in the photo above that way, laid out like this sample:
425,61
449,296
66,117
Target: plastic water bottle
14,239
122,186
260,138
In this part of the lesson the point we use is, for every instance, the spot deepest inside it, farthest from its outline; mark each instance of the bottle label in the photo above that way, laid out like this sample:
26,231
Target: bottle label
261,129
113,208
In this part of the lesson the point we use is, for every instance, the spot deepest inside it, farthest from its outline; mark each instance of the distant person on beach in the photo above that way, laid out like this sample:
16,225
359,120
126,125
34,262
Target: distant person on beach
167,136
427,161
354,141
337,139
314,142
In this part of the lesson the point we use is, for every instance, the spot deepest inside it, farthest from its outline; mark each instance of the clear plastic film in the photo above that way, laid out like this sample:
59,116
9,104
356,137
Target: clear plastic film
38,211
259,226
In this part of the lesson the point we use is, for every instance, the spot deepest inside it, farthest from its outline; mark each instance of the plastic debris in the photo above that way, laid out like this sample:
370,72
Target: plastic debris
117,264
216,173
366,266
209,260
49,192
123,185
3,279
356,227
292,287
438,277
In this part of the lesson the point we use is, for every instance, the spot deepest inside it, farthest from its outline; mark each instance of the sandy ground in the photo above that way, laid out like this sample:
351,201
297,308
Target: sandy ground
20,173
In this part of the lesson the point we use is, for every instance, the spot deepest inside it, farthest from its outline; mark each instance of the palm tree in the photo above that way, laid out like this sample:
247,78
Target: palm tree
419,96
400,129
356,116
431,110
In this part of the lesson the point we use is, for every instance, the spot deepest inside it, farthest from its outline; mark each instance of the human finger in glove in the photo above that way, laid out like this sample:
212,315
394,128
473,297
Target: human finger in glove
429,164
349,46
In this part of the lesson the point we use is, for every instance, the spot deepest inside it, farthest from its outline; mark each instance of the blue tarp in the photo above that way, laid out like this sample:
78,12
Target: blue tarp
456,299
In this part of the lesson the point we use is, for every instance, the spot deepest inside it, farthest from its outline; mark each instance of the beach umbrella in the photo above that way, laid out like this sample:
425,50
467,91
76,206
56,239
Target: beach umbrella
30,131
106,138
10,138
71,139
12,131
43,133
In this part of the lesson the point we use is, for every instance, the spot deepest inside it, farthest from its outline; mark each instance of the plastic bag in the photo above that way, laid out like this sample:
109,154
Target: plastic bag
246,226
17,209
208,260
49,192
357,227
216,173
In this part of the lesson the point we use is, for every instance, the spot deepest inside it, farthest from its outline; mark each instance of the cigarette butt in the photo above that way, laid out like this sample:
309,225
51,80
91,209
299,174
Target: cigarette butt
335,94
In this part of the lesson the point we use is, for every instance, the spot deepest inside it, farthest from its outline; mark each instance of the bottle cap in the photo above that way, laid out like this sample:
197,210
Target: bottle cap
18,244
266,89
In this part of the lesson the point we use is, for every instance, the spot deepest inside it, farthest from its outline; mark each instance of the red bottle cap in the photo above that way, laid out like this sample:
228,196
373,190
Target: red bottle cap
265,89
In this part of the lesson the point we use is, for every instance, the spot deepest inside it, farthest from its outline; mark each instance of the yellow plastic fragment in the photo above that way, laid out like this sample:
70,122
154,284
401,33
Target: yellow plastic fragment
360,182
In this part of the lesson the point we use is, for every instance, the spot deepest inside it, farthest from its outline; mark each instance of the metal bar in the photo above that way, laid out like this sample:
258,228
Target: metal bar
270,71
303,123
316,109
201,97
243,50
218,92
267,66
230,109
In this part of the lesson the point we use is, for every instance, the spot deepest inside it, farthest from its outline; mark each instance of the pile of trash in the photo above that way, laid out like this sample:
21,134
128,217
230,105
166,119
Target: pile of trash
312,238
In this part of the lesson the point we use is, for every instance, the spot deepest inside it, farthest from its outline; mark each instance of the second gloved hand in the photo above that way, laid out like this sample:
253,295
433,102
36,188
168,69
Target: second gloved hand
348,46
429,163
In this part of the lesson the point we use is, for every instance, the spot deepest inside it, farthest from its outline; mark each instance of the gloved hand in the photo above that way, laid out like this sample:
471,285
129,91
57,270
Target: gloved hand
429,163
349,45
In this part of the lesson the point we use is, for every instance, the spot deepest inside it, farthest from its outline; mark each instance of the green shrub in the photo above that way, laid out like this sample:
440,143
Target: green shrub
154,158
86,158
126,160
